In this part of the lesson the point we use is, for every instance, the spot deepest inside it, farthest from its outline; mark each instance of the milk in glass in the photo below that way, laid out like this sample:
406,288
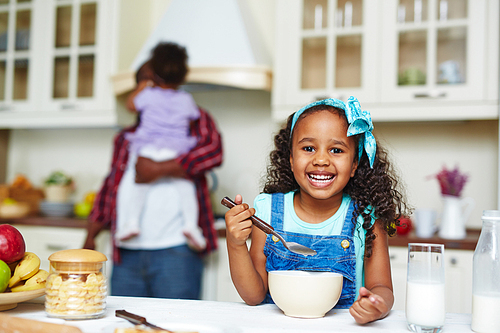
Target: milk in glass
426,305
486,276
425,288
485,316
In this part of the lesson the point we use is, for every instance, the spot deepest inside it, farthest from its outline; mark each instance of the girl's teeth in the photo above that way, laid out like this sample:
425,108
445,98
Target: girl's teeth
320,177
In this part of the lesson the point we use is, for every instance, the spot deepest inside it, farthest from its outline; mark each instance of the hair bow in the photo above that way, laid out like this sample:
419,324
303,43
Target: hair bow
359,122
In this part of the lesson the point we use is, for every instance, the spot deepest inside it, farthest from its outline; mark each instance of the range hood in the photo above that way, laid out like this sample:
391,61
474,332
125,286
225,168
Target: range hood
223,46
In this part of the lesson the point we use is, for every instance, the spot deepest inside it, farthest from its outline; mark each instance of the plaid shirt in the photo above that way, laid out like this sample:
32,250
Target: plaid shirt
206,155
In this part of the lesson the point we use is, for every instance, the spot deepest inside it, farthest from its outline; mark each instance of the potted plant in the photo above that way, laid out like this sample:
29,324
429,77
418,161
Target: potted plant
456,210
58,187
451,182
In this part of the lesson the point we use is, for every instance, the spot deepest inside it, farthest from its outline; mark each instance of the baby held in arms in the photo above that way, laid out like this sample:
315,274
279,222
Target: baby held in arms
166,114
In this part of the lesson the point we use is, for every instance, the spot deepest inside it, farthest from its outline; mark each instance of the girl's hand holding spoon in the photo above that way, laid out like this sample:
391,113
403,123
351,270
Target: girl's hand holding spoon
238,223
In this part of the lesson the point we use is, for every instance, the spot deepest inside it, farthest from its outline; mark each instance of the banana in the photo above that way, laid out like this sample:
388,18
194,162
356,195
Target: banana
27,267
37,281
23,287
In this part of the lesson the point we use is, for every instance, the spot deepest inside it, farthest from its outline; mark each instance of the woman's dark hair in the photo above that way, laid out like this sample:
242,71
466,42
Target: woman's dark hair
374,190
169,62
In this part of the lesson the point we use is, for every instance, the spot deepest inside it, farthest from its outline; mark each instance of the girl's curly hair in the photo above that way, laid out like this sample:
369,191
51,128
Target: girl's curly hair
374,190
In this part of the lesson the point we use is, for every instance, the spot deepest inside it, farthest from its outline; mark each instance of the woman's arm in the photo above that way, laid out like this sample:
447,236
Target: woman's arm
376,298
93,229
147,170
206,155
248,268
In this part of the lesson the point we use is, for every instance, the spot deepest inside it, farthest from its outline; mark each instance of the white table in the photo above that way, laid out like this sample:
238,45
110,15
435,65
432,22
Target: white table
215,317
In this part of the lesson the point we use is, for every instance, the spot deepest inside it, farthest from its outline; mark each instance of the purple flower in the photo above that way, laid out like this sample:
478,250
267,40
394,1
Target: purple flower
451,182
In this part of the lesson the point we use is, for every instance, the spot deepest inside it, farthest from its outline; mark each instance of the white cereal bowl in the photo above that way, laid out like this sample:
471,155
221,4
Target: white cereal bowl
305,294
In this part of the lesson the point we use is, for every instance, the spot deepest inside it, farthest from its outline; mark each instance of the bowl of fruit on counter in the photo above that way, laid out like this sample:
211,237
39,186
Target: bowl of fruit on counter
21,278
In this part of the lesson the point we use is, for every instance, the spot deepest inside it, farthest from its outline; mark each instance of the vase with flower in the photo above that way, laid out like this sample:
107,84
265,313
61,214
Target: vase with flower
456,210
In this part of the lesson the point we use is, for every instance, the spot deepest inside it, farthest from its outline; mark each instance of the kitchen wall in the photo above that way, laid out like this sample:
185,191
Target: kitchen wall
85,154
244,118
420,151
4,144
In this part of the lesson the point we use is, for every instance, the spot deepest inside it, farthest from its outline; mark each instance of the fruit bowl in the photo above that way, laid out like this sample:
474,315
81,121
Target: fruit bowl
14,210
9,300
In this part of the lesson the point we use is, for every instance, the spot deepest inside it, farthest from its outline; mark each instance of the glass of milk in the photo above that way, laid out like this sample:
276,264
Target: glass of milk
425,295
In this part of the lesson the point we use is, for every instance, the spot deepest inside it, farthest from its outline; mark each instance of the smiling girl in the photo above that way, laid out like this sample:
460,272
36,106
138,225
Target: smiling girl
331,188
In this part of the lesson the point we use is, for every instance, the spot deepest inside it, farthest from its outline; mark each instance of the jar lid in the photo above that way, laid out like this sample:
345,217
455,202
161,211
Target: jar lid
491,215
78,255
77,260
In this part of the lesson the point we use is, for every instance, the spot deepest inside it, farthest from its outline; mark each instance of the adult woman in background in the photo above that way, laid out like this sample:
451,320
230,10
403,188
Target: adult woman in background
169,272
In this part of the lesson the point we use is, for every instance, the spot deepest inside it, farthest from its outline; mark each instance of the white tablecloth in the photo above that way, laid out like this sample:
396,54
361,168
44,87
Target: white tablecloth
215,317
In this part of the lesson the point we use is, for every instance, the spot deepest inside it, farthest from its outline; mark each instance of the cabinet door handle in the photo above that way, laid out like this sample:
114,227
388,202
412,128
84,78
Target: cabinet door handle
337,96
52,247
68,106
431,94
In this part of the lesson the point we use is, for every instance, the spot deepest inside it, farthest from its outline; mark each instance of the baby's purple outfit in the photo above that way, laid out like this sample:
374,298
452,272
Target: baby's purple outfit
165,118
162,134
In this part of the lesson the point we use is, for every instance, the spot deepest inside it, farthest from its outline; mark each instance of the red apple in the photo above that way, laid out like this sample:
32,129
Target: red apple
405,226
12,246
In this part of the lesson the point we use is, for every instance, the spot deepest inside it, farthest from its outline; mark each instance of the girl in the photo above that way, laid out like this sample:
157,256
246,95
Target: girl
329,187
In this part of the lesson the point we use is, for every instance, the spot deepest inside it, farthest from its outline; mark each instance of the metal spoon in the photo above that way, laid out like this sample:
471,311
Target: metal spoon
138,320
268,229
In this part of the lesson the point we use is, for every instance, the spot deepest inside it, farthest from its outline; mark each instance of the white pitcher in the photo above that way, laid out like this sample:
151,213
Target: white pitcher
455,213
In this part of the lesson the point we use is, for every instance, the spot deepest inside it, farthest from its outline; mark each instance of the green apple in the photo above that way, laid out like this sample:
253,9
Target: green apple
4,276
82,209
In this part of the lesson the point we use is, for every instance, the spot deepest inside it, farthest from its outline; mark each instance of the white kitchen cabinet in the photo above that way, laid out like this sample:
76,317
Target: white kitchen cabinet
324,49
399,260
458,271
436,56
217,284
16,56
226,291
405,60
44,240
56,64
459,280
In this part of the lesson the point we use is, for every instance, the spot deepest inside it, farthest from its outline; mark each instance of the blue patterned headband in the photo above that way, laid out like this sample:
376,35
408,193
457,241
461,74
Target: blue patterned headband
359,122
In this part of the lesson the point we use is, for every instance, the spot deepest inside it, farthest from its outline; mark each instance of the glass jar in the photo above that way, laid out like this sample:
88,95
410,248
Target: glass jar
486,276
76,287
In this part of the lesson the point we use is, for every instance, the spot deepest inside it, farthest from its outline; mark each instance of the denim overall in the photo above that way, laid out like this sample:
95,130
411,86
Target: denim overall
334,253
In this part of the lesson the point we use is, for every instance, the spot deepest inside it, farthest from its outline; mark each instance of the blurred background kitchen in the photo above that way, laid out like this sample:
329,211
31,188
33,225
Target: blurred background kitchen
427,70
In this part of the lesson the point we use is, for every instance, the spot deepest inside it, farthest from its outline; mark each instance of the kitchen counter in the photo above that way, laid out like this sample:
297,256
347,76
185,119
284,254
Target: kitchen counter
468,243
46,221
214,317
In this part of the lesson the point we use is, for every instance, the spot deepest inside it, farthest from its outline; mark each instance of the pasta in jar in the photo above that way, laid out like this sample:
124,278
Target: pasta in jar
76,287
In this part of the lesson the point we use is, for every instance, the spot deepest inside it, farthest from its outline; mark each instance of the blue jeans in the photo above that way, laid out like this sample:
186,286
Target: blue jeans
169,273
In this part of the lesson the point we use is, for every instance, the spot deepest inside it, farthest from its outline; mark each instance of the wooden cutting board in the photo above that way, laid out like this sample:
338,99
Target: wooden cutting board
10,324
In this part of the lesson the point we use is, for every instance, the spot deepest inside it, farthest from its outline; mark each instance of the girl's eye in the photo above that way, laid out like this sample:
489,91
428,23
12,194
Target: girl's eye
308,149
336,150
